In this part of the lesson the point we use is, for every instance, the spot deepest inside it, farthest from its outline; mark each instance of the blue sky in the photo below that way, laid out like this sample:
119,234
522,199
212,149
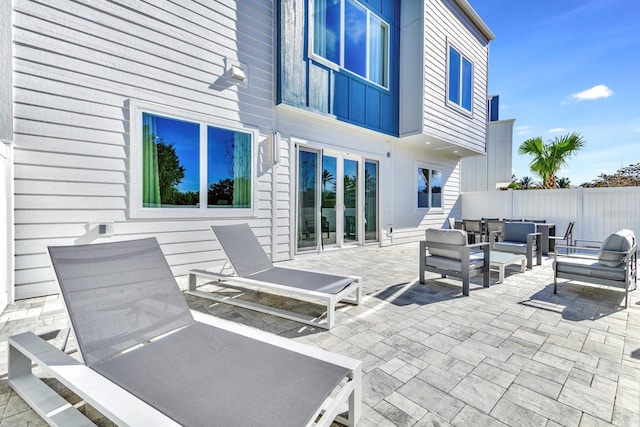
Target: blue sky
564,66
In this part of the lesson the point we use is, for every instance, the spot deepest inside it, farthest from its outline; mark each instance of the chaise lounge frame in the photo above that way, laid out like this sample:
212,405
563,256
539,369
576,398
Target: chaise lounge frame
352,293
124,408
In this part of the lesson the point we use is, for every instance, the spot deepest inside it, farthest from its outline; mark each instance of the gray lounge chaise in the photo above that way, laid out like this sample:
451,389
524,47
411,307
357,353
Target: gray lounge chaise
254,270
613,264
148,362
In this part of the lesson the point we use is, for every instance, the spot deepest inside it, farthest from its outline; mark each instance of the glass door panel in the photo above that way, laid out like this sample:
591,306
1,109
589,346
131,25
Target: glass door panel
371,201
350,200
308,172
329,200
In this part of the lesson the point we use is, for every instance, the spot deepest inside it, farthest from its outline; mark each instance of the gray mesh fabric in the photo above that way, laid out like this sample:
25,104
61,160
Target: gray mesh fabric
242,248
118,295
205,376
309,280
251,262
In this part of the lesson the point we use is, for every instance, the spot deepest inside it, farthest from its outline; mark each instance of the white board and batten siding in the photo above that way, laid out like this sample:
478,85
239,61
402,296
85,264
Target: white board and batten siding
77,66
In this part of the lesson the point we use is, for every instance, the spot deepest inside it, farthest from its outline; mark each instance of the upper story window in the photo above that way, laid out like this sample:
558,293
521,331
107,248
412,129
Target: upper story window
429,188
186,168
349,35
460,80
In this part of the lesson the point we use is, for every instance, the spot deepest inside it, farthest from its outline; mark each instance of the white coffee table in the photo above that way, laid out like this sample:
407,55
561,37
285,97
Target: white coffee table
499,260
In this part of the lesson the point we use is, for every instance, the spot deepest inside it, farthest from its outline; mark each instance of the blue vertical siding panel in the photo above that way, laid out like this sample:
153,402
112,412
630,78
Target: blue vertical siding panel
357,102
341,96
373,107
389,114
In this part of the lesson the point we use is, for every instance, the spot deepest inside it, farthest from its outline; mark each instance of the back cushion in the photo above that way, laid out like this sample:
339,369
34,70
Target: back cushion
620,241
517,231
450,237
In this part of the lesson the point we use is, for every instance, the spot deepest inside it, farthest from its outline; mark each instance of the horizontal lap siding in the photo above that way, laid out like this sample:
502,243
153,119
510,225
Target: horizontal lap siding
76,66
445,22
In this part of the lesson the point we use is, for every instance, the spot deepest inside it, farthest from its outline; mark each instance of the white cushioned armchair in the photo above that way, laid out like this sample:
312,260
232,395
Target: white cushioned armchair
614,264
447,252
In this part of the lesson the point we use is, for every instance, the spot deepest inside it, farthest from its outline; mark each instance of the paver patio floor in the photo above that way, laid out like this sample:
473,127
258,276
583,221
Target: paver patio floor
514,354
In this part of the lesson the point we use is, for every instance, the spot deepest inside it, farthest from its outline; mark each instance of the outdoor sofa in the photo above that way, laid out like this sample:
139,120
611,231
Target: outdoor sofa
520,238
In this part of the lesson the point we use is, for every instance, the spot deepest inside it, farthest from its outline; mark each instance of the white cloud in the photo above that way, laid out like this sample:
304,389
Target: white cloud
556,130
598,91
638,130
522,130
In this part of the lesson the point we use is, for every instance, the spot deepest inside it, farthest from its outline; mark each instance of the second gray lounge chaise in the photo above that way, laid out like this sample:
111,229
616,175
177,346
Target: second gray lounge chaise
254,270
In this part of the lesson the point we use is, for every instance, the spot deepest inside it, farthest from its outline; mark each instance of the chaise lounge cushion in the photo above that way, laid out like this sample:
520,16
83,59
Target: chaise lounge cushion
512,247
620,241
449,237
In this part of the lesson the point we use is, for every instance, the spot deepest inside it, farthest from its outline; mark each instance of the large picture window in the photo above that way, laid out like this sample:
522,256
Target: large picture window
194,166
349,35
460,80
429,188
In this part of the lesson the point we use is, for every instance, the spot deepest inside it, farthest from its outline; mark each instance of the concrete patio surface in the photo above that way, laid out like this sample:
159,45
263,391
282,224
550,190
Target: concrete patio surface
511,355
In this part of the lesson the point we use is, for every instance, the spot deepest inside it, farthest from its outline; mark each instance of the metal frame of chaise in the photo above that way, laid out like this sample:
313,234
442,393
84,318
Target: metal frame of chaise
149,360
254,270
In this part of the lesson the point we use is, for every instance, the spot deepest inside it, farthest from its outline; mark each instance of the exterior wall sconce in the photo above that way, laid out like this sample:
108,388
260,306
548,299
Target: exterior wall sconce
237,73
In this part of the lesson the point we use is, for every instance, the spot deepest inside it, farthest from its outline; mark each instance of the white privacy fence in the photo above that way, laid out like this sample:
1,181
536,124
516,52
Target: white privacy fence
597,212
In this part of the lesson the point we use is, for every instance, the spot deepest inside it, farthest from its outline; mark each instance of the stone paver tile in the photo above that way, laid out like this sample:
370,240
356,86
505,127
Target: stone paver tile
409,407
443,380
439,359
393,365
538,368
376,385
580,376
458,332
470,416
594,401
488,338
627,400
431,398
478,392
494,374
591,421
394,414
406,345
461,368
603,350
365,339
532,335
432,420
441,342
561,413
407,372
553,360
623,417
371,417
538,384
519,346
513,414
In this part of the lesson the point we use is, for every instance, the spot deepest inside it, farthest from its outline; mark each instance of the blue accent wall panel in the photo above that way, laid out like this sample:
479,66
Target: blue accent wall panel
357,102
372,103
389,117
340,96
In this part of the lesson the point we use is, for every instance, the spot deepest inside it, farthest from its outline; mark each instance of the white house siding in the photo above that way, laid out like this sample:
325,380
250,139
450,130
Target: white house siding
77,65
445,22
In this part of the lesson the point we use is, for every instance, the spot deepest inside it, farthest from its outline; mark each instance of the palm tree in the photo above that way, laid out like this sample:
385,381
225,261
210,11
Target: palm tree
525,183
563,182
549,158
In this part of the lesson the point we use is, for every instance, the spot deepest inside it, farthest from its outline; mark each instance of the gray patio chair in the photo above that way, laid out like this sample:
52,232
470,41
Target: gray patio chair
567,238
494,228
254,270
146,361
613,264
448,253
520,238
473,227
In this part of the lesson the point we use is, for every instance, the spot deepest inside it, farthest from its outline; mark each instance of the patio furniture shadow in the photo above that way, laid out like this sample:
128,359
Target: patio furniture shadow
578,303
408,293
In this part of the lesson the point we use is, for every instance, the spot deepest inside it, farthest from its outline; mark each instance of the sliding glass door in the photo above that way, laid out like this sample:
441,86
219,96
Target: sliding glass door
336,206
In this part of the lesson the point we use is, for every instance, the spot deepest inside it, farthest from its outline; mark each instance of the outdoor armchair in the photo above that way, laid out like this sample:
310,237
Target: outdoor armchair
448,253
520,238
614,263
473,227
567,238
494,228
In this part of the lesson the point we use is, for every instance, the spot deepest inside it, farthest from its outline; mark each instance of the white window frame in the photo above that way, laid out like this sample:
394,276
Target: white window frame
341,67
450,103
416,176
136,210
